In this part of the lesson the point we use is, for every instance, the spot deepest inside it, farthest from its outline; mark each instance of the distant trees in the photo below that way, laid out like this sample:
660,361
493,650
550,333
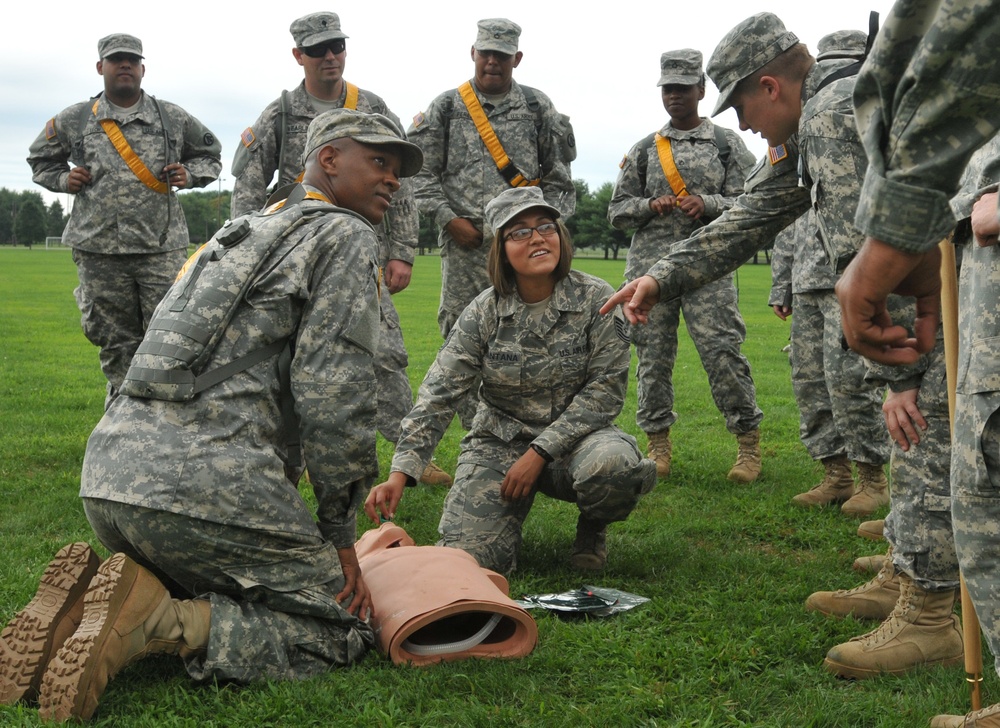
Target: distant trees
24,219
205,211
589,225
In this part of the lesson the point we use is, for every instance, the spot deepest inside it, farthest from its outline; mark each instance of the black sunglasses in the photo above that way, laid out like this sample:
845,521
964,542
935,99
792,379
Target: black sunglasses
319,51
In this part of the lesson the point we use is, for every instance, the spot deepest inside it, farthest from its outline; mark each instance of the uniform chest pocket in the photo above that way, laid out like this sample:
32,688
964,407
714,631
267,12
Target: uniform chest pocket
502,366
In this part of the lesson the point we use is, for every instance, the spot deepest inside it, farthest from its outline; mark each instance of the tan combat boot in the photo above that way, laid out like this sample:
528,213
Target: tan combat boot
660,451
747,466
872,492
872,530
869,564
874,599
433,475
922,630
590,550
837,484
36,633
985,718
127,615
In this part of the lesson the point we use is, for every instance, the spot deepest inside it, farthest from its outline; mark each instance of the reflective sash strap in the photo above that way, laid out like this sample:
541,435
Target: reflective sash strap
351,102
309,195
669,168
506,167
131,158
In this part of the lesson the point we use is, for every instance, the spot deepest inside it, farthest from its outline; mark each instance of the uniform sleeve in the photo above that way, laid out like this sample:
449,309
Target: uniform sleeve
429,131
403,223
455,370
556,148
49,154
737,168
333,379
629,206
600,400
925,100
781,266
254,164
201,154
773,200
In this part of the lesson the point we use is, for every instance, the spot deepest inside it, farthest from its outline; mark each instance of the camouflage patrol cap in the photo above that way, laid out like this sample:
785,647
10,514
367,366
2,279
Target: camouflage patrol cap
509,203
119,43
682,67
497,34
316,28
748,47
371,129
842,44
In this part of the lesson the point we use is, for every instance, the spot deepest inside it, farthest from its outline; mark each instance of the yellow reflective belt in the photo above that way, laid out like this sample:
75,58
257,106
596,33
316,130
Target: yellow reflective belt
669,168
506,168
351,102
131,158
310,195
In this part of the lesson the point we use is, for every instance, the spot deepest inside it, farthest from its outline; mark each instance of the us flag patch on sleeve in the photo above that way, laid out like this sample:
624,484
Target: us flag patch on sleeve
50,128
418,119
247,137
777,154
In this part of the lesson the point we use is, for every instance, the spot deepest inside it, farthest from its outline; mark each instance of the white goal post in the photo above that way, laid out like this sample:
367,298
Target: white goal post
56,243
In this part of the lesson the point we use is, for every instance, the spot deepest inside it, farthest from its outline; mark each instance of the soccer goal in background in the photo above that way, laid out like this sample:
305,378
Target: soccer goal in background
56,243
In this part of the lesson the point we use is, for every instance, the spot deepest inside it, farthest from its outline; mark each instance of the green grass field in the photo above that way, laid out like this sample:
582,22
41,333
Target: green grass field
724,640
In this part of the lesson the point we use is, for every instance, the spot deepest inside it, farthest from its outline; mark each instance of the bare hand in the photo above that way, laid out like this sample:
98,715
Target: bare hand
637,298
361,603
78,178
903,417
464,233
397,275
175,175
691,205
782,312
384,497
878,270
985,223
521,477
663,205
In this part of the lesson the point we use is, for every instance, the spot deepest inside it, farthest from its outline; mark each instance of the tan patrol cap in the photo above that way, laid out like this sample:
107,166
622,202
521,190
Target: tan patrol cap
373,129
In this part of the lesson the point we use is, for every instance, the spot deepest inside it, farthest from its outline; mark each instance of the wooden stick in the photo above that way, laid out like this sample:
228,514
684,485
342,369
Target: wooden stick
949,319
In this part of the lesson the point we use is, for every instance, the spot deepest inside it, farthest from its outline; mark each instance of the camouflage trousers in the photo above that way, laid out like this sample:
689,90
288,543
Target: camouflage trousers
116,298
275,614
975,505
716,327
919,522
839,412
604,475
392,385
463,277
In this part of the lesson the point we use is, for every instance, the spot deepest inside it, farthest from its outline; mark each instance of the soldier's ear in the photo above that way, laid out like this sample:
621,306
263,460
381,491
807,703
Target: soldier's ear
517,58
328,158
100,68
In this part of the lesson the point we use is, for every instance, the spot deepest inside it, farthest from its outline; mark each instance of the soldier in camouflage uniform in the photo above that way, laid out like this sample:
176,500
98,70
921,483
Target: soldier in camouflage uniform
199,495
759,60
460,176
840,412
127,228
554,375
274,144
711,172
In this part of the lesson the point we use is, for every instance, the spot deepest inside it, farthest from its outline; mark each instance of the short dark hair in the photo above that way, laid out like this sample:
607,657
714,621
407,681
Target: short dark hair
792,64
501,272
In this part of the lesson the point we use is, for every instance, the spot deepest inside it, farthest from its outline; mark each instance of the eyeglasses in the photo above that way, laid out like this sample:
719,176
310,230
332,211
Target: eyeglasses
546,229
319,51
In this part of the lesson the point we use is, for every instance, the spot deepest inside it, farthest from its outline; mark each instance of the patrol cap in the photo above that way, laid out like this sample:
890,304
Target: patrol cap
508,204
373,129
119,43
316,28
497,34
842,44
748,47
682,67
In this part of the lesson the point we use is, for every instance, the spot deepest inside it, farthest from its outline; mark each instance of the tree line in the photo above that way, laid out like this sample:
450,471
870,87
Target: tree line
25,220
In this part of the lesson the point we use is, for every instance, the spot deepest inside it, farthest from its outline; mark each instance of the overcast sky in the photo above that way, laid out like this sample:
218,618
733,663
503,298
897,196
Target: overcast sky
223,62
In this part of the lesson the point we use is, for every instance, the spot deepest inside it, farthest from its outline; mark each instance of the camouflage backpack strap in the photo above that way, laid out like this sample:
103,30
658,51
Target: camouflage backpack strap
281,132
854,69
722,143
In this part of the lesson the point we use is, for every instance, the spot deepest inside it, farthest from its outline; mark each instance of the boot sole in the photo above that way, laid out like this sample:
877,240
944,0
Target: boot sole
28,641
67,683
851,672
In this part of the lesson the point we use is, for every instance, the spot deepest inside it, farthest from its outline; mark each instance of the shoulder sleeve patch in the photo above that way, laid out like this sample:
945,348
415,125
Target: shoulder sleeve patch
247,137
418,119
50,129
777,154
622,326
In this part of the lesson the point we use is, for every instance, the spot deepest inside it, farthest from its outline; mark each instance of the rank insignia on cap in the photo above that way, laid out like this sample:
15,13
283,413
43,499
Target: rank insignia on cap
777,154
50,128
247,137
418,119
